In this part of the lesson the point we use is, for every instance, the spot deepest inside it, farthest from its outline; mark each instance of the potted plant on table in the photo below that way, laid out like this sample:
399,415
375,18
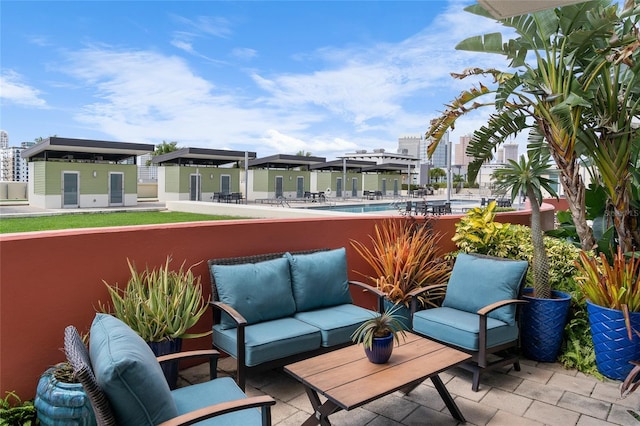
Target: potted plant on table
161,305
613,304
404,256
378,333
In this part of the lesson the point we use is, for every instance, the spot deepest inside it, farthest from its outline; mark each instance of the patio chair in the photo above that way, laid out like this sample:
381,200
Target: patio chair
126,386
479,314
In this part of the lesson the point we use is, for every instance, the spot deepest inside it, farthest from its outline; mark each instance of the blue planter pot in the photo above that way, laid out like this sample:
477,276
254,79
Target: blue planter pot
58,403
543,322
170,369
381,349
611,342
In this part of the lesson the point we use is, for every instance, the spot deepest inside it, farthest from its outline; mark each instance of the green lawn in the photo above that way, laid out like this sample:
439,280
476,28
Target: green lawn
99,220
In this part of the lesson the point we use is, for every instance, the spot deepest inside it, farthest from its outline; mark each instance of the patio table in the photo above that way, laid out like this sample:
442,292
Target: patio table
348,380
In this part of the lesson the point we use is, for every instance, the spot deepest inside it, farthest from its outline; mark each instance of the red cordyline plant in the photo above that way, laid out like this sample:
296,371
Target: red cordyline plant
615,285
404,256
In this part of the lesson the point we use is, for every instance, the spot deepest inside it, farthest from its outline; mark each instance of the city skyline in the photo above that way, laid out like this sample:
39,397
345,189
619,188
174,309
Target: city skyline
272,77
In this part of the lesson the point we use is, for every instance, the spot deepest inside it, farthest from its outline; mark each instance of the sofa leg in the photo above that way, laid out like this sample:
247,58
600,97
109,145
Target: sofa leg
241,378
476,380
516,365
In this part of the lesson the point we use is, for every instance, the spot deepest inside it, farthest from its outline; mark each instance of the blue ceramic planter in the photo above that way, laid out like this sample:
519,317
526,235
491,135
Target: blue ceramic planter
170,369
59,403
611,341
543,322
381,349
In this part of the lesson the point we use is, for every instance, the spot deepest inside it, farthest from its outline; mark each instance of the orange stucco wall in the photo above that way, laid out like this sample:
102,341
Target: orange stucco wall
52,279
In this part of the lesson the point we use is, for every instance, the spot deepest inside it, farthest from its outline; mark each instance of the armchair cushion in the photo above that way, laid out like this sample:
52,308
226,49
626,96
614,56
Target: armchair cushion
223,389
480,281
127,371
258,291
319,279
462,328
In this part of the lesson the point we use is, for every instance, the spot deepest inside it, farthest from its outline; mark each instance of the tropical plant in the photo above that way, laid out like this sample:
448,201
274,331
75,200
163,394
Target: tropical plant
478,232
158,304
584,55
527,175
15,412
380,325
404,256
614,286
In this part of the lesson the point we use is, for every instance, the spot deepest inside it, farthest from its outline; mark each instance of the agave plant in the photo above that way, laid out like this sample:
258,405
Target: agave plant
389,322
404,256
158,304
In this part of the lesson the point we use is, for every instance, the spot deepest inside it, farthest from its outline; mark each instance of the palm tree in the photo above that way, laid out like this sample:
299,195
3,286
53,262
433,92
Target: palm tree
527,176
555,96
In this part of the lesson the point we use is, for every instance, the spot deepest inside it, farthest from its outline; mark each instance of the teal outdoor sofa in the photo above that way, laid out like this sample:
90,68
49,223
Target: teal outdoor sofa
273,309
127,387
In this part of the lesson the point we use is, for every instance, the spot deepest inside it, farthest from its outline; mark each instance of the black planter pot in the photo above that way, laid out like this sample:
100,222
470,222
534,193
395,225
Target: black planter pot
381,349
170,369
543,322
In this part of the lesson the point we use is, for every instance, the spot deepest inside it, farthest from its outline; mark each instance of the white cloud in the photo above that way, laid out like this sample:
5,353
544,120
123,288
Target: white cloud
359,97
14,90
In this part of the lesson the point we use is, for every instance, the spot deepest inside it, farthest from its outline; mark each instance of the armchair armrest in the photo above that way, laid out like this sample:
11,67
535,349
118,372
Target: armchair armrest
235,315
212,354
264,401
378,293
415,294
500,304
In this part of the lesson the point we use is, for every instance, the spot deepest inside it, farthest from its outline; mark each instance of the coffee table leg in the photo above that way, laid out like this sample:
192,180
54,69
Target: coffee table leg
446,397
321,412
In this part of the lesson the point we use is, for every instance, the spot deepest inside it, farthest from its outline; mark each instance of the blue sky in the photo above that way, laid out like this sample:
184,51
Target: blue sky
325,77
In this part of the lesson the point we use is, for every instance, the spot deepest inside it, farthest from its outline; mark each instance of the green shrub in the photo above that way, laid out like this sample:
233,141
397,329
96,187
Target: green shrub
15,412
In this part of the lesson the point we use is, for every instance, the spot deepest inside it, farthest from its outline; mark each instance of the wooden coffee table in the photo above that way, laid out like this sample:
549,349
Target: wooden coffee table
348,380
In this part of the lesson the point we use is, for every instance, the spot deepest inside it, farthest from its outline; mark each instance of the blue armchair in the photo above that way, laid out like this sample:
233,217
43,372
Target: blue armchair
126,386
479,314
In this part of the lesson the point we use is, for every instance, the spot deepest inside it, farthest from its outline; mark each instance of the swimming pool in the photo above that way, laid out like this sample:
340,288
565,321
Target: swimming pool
394,206
359,208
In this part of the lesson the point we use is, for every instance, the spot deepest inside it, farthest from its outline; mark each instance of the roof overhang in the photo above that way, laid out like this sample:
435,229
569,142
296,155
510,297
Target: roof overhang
501,9
338,165
202,156
283,161
389,167
85,149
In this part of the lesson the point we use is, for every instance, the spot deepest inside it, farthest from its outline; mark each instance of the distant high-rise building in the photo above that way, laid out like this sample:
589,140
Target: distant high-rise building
4,139
500,156
461,158
409,145
510,152
13,168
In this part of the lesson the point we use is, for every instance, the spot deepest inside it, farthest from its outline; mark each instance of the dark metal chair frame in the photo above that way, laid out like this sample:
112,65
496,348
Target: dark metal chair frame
481,360
78,357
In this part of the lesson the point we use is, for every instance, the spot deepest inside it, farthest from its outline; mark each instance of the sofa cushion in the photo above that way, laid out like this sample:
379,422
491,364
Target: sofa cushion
319,279
336,323
127,371
258,291
223,389
461,328
268,341
476,282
